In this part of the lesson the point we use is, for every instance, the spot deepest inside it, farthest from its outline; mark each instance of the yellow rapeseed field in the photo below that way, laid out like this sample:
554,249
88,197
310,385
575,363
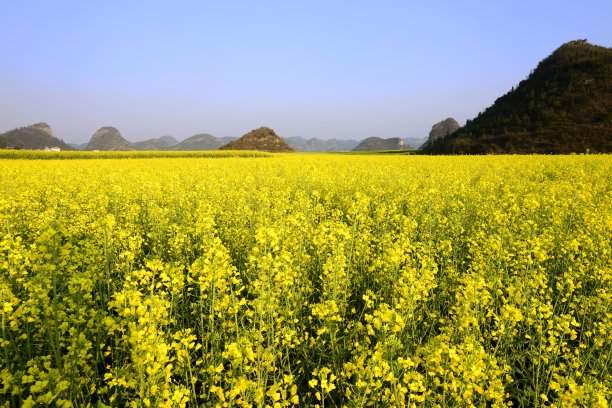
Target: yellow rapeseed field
306,280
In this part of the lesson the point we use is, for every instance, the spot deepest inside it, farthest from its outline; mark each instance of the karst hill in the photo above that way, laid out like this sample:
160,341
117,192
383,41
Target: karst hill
37,136
563,106
440,130
262,139
108,138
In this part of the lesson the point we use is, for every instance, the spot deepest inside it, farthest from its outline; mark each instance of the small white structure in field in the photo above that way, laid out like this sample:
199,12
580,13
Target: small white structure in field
52,149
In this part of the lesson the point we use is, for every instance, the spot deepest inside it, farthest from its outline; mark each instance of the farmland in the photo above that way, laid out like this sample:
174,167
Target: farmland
306,280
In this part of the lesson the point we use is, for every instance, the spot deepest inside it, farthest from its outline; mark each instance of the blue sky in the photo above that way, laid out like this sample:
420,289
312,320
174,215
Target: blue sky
343,69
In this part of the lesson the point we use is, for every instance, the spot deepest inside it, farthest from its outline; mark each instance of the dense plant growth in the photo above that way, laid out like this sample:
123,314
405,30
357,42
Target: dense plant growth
306,280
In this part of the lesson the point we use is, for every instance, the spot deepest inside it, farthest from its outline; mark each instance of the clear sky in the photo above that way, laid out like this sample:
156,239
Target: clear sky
343,69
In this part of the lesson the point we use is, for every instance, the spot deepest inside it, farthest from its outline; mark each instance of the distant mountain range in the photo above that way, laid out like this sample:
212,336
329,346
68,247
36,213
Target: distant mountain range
160,143
109,138
564,106
202,141
301,144
414,142
227,139
78,146
377,143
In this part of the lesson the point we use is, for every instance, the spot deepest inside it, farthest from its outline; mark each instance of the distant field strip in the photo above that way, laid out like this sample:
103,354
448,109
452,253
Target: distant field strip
72,155
306,280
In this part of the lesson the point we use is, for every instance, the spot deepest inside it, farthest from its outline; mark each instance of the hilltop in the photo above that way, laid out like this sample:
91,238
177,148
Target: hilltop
108,138
37,136
563,106
441,130
263,139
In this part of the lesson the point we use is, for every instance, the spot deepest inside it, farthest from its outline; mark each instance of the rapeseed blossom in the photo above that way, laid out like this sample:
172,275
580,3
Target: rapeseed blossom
306,280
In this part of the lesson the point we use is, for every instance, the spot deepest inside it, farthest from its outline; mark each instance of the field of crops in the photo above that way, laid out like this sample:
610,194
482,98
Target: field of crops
135,154
306,280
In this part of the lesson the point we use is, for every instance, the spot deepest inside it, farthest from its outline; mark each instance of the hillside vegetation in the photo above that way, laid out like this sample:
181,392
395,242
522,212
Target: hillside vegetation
564,106
108,138
38,136
262,139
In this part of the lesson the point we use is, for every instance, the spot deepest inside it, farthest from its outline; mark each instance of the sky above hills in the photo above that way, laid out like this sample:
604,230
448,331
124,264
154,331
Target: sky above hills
327,69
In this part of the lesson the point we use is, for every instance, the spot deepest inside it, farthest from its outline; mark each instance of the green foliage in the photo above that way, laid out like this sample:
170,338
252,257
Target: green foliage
31,137
562,107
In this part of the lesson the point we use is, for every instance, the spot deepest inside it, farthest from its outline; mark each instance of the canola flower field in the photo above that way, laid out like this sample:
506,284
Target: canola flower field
117,154
306,280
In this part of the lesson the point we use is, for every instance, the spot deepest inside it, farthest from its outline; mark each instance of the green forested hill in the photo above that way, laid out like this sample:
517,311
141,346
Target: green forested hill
564,106
36,137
